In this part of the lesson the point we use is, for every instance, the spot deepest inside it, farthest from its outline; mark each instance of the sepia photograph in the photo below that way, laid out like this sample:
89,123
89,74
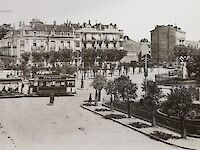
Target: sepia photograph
99,75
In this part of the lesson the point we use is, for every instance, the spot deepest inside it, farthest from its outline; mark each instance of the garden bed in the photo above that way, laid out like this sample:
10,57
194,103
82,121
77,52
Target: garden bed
88,104
139,125
115,116
164,136
87,101
102,109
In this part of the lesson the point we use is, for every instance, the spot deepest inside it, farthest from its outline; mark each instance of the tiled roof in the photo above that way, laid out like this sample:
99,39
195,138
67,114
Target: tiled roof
42,27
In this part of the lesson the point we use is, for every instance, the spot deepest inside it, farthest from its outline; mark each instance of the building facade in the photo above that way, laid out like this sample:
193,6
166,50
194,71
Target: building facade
192,44
163,40
99,36
38,36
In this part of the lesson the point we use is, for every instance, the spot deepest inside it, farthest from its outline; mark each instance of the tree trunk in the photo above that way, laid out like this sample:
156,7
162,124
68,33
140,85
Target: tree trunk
111,103
90,98
96,98
184,130
99,95
153,118
129,108
133,70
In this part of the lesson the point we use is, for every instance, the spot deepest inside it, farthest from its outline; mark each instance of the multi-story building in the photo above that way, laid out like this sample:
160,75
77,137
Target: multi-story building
100,36
192,44
38,36
163,40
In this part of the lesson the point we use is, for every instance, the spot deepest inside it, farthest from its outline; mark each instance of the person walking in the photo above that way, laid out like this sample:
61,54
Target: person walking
51,102
90,98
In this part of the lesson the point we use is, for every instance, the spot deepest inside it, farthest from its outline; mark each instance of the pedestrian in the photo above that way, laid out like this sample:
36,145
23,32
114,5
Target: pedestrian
22,88
90,98
51,102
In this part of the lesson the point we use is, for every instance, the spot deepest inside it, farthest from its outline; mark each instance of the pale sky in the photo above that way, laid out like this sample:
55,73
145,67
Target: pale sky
135,17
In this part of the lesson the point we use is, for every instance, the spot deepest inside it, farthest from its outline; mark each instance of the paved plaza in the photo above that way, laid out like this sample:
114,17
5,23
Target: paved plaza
30,124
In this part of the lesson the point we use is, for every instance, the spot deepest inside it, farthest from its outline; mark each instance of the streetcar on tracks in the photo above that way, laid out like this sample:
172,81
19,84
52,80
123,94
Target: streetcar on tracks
60,85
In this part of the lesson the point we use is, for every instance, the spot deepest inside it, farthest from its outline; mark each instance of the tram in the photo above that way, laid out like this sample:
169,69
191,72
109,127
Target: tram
10,86
58,84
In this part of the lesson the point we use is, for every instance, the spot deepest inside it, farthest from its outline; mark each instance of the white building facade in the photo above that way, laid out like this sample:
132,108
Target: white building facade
38,36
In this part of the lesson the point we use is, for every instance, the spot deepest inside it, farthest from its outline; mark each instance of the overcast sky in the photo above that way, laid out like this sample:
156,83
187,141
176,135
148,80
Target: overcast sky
135,17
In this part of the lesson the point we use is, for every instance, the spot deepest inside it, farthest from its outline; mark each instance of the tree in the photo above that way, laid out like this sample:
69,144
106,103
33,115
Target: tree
193,66
66,55
151,97
88,57
37,57
111,90
126,89
179,104
25,57
192,58
4,28
46,56
98,84
54,57
120,54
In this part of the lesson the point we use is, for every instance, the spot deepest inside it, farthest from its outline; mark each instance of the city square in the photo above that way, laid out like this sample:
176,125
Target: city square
96,75
62,127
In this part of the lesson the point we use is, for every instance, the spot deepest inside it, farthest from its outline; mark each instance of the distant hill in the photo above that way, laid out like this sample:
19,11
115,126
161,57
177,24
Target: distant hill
131,46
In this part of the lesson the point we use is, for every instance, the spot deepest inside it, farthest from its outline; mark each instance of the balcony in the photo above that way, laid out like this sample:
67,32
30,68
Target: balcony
38,48
52,48
65,48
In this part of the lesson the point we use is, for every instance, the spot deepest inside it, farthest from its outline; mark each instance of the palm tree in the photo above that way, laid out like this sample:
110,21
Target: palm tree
151,97
126,89
98,84
179,104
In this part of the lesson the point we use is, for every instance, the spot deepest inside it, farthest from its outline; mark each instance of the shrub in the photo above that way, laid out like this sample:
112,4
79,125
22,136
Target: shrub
139,125
115,116
102,109
164,136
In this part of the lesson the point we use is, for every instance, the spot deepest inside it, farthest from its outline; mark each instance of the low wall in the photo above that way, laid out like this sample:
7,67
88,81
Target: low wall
173,123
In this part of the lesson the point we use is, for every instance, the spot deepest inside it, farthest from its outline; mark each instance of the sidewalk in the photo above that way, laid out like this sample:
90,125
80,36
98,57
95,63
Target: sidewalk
145,128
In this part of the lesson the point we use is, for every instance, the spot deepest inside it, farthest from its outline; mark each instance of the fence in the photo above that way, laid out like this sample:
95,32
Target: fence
174,123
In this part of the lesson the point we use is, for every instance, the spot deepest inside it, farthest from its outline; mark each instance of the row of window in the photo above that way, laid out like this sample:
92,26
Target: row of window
35,33
101,45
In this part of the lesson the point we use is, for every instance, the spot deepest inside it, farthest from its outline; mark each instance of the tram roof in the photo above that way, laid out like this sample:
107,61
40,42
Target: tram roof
11,80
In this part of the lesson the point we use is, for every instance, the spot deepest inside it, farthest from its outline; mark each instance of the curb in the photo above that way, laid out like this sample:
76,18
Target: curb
135,129
20,96
14,96
159,124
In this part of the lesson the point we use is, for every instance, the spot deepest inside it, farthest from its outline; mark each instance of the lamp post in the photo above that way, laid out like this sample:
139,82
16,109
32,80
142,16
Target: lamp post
145,74
82,82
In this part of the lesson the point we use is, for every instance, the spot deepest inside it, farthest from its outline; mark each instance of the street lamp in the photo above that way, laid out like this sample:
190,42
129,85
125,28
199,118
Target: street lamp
145,74
82,82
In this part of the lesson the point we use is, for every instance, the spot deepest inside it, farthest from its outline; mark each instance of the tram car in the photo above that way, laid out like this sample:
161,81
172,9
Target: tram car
10,86
60,85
